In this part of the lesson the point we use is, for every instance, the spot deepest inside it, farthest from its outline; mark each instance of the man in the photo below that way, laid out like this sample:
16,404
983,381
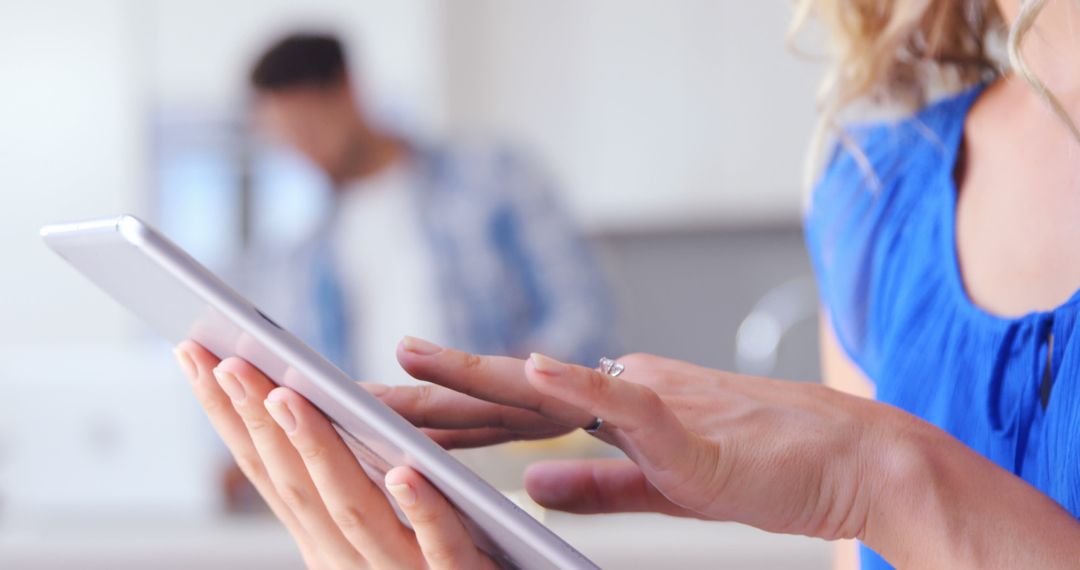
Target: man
464,245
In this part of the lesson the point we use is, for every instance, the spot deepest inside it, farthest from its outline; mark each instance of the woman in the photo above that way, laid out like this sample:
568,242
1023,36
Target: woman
945,249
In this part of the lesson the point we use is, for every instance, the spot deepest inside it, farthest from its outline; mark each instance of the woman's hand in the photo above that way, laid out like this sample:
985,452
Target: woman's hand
311,481
782,456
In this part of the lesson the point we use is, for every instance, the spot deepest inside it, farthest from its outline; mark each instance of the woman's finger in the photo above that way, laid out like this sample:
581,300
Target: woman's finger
247,388
198,364
597,486
497,379
432,406
353,501
635,418
442,536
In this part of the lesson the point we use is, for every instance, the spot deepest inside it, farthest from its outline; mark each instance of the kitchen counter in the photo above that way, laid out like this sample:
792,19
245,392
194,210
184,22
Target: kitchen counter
618,541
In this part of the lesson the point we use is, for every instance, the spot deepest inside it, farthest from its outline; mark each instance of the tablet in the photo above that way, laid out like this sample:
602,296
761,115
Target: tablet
181,299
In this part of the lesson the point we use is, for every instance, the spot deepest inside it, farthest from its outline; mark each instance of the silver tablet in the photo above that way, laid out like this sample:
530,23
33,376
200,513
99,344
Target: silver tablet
181,299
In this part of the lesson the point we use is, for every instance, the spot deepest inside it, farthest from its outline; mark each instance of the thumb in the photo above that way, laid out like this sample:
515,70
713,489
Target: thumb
597,486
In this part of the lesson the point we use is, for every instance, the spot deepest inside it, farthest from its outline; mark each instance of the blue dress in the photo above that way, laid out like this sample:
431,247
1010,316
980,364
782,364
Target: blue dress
883,248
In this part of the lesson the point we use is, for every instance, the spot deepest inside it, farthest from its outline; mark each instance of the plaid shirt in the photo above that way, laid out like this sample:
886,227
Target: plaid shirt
512,271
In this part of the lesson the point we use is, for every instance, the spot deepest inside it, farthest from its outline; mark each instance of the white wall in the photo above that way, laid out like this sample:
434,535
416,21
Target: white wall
652,113
70,146
81,81
200,52
73,144
673,113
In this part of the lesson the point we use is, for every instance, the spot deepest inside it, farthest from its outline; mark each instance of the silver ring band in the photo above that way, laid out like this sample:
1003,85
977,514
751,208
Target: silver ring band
594,426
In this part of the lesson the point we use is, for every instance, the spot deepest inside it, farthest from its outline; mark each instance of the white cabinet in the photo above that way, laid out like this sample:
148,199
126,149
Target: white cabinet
652,113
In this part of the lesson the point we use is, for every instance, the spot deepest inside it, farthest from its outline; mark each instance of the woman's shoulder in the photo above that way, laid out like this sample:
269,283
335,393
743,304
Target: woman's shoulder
879,181
889,162
876,154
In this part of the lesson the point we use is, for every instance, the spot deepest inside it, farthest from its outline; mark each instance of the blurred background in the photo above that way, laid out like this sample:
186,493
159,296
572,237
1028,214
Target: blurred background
674,133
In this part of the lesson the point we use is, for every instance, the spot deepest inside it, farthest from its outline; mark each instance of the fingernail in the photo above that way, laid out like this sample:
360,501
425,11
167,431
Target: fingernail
186,364
547,365
420,346
282,414
232,387
403,494
375,389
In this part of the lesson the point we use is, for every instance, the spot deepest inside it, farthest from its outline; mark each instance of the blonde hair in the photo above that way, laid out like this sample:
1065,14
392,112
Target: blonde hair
897,53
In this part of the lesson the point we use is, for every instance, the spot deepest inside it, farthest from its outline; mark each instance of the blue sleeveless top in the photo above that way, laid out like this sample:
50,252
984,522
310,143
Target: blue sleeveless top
885,257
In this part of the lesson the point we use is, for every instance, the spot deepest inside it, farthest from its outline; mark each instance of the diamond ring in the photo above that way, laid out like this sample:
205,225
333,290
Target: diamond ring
608,367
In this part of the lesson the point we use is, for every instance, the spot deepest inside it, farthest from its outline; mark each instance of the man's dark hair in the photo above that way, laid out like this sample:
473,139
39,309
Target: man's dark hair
300,60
